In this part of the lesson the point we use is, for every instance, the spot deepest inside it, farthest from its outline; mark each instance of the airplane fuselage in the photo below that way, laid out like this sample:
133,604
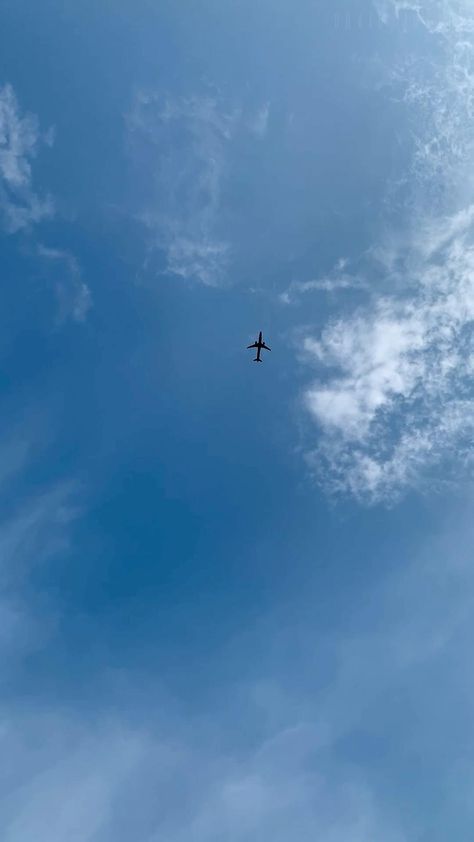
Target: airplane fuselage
259,344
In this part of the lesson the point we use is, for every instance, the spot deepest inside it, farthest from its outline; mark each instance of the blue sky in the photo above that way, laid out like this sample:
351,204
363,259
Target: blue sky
236,600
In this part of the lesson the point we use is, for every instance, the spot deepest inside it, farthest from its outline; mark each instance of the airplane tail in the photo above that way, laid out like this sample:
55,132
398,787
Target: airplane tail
256,360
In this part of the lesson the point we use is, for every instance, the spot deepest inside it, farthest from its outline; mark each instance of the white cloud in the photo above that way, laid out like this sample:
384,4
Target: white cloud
34,528
394,406
20,205
282,792
183,141
106,781
437,87
30,536
397,397
61,778
185,147
312,707
108,775
38,530
20,138
205,260
340,278
73,295
259,124
445,17
311,717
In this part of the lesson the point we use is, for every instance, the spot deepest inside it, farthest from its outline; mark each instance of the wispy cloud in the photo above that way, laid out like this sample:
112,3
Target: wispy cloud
32,535
36,531
73,294
280,792
20,139
113,780
34,528
446,17
103,776
397,397
21,207
341,277
395,403
63,778
259,123
185,144
436,85
302,771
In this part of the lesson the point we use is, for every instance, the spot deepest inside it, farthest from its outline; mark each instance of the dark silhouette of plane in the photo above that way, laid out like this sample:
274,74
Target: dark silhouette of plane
259,345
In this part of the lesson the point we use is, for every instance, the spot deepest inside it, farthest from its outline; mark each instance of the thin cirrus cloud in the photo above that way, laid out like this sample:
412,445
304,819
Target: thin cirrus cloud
72,293
32,532
184,145
114,780
301,774
114,777
340,278
21,207
20,139
392,400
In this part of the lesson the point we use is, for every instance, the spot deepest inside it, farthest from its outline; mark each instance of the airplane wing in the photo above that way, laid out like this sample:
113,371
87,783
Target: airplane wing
253,345
266,347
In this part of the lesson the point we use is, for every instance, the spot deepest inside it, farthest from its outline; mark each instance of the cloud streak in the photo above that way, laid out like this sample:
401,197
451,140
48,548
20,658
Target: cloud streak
20,138
21,207
34,528
340,278
183,142
185,146
72,293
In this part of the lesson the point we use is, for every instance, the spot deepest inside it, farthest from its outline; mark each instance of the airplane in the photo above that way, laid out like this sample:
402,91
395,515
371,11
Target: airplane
259,345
